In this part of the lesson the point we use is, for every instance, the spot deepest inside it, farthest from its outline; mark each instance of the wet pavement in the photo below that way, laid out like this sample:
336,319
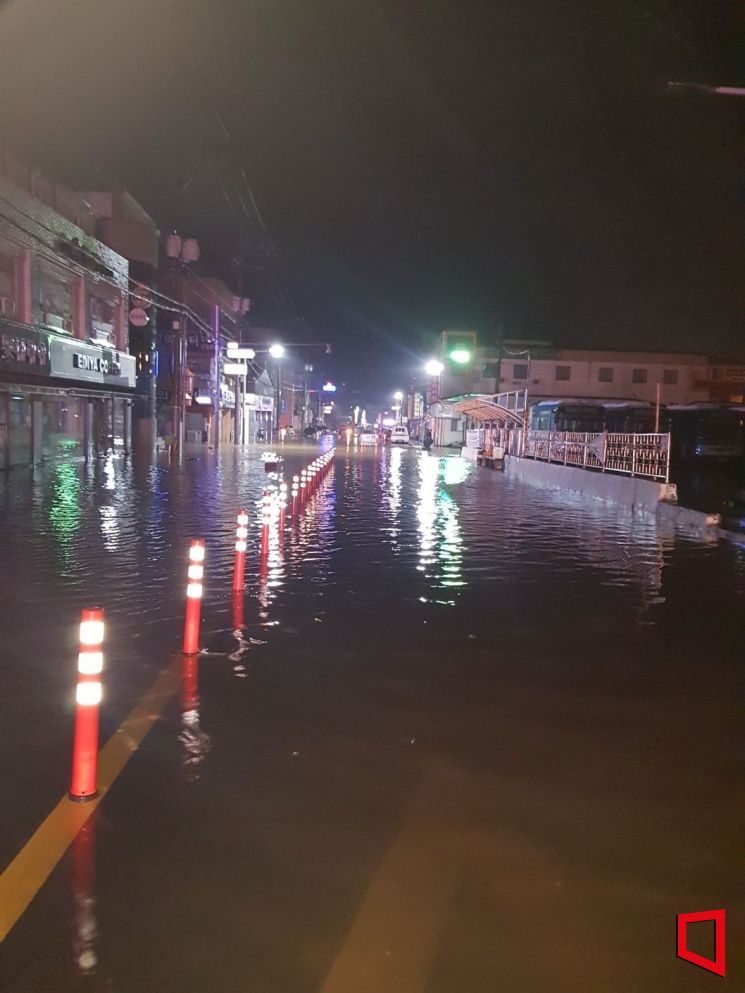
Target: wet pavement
473,736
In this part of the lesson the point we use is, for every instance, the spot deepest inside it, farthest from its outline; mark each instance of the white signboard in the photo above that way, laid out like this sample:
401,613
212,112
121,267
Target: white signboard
475,438
72,359
235,369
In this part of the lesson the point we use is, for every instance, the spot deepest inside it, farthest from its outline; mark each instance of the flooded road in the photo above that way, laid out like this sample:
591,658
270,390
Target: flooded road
471,735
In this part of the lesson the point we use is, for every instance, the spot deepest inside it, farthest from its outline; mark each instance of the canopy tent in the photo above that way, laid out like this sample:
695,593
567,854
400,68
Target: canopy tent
482,408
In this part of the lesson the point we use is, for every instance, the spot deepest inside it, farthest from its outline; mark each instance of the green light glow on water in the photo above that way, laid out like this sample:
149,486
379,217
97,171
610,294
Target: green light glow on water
65,512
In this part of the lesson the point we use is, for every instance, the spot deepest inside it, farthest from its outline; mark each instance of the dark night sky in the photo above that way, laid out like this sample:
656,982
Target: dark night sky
514,164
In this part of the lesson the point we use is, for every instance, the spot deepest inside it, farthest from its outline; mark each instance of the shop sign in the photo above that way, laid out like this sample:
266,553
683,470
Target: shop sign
24,350
76,360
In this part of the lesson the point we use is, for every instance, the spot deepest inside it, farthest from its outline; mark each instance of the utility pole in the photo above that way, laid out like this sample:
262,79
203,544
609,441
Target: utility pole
216,381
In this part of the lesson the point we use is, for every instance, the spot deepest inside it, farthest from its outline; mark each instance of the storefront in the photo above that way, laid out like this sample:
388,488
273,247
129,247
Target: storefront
61,398
258,414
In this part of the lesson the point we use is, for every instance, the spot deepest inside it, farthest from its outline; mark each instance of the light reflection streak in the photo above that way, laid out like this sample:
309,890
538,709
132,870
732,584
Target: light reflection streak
440,532
195,743
109,528
109,471
85,923
64,512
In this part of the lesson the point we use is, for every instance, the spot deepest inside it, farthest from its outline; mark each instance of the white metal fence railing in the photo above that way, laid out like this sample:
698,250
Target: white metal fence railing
644,455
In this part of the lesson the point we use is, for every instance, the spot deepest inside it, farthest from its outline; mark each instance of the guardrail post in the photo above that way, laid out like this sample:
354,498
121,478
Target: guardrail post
633,454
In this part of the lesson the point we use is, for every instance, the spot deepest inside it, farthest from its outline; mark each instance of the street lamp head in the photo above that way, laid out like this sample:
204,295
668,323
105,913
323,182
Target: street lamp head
277,351
460,355
398,395
434,368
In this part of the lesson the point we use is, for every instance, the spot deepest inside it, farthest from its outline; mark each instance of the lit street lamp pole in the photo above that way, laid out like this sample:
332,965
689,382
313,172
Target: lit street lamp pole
277,351
399,398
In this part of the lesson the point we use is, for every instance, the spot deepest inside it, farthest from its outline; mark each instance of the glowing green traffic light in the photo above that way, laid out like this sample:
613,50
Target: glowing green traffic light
460,355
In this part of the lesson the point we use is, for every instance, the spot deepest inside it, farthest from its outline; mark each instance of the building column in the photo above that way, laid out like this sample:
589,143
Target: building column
107,414
80,314
127,426
4,431
36,426
24,306
87,426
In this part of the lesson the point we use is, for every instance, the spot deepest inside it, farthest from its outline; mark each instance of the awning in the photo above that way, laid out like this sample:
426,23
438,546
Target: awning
482,408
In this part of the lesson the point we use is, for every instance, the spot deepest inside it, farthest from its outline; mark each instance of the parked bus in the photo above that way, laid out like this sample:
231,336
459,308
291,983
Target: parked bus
567,415
628,417
705,431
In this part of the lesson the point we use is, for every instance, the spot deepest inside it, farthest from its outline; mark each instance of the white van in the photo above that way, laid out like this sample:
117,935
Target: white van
400,435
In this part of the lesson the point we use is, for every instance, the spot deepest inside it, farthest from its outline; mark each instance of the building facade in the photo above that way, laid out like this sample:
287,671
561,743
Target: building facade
122,224
197,316
680,377
67,380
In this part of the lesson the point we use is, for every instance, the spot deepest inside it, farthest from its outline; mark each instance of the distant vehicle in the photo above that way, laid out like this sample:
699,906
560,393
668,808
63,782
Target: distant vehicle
368,438
400,435
567,415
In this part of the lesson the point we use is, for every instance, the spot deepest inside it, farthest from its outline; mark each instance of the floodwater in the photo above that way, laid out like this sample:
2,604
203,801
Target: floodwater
471,735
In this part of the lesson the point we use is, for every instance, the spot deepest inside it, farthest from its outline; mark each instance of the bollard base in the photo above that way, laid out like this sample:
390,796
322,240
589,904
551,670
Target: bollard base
84,799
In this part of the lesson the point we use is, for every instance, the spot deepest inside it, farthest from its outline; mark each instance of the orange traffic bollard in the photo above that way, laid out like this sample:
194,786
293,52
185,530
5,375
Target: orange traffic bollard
87,706
194,597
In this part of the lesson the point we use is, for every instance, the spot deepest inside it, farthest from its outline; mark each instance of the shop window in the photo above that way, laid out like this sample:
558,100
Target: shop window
19,430
7,285
53,292
102,318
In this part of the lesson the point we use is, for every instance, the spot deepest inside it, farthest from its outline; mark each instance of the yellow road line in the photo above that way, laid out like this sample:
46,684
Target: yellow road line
31,867
393,939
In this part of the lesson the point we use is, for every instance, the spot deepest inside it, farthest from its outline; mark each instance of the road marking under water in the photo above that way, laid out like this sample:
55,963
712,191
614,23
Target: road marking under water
32,866
393,939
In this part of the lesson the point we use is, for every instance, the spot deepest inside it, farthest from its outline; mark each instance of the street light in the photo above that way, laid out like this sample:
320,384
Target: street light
277,351
434,368
460,355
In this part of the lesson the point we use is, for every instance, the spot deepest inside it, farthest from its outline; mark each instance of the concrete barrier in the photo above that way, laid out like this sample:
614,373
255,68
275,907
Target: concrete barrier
632,492
636,494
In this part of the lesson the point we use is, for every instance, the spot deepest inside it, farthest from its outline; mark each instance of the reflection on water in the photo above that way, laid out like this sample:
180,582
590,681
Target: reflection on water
109,528
64,510
84,920
440,537
195,743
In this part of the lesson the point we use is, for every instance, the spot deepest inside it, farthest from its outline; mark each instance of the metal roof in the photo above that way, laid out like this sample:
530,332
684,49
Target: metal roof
482,408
